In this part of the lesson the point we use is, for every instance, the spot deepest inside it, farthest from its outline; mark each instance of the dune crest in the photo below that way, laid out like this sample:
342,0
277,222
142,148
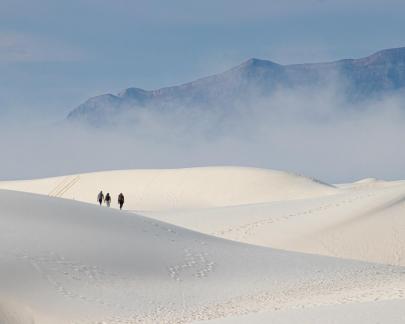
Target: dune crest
165,189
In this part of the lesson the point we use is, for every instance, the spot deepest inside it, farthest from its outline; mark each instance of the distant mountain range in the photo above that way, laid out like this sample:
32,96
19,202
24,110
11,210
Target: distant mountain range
358,79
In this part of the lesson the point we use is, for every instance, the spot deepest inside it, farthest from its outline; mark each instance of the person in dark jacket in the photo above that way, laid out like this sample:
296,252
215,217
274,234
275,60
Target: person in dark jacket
100,197
121,200
108,199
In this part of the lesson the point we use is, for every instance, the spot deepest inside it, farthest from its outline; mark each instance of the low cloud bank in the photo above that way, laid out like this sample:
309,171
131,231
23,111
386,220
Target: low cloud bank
314,133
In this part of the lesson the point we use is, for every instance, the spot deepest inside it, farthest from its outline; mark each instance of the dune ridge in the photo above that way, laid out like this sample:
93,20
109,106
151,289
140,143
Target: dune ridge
163,189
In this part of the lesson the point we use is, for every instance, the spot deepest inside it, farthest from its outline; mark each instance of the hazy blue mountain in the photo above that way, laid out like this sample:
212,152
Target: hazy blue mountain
356,79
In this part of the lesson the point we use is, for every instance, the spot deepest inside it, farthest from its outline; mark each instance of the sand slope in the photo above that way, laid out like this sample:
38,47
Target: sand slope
68,262
365,223
379,312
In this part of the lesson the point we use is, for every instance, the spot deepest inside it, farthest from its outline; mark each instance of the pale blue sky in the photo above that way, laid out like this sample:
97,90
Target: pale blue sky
54,54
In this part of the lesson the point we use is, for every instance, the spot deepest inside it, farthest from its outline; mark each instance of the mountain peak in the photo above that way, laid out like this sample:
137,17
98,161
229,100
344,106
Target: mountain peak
391,51
133,93
392,55
255,63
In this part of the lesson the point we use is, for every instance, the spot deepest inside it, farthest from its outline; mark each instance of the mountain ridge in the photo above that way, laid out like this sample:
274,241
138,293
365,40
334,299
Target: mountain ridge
380,72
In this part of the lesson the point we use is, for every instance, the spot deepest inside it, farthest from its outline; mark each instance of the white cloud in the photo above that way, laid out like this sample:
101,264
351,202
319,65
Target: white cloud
315,133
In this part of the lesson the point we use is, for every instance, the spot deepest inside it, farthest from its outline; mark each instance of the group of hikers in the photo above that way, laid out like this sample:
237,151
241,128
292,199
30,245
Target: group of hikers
107,199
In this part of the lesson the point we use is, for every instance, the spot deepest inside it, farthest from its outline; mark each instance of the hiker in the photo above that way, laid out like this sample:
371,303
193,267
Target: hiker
100,197
107,199
121,200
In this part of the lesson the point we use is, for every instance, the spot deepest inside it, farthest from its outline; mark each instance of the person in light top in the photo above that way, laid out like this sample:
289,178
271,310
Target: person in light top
107,199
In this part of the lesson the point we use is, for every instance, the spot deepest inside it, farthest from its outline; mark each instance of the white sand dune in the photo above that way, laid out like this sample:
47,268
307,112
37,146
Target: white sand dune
69,262
179,188
359,223
379,312
15,313
362,220
64,261
369,183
